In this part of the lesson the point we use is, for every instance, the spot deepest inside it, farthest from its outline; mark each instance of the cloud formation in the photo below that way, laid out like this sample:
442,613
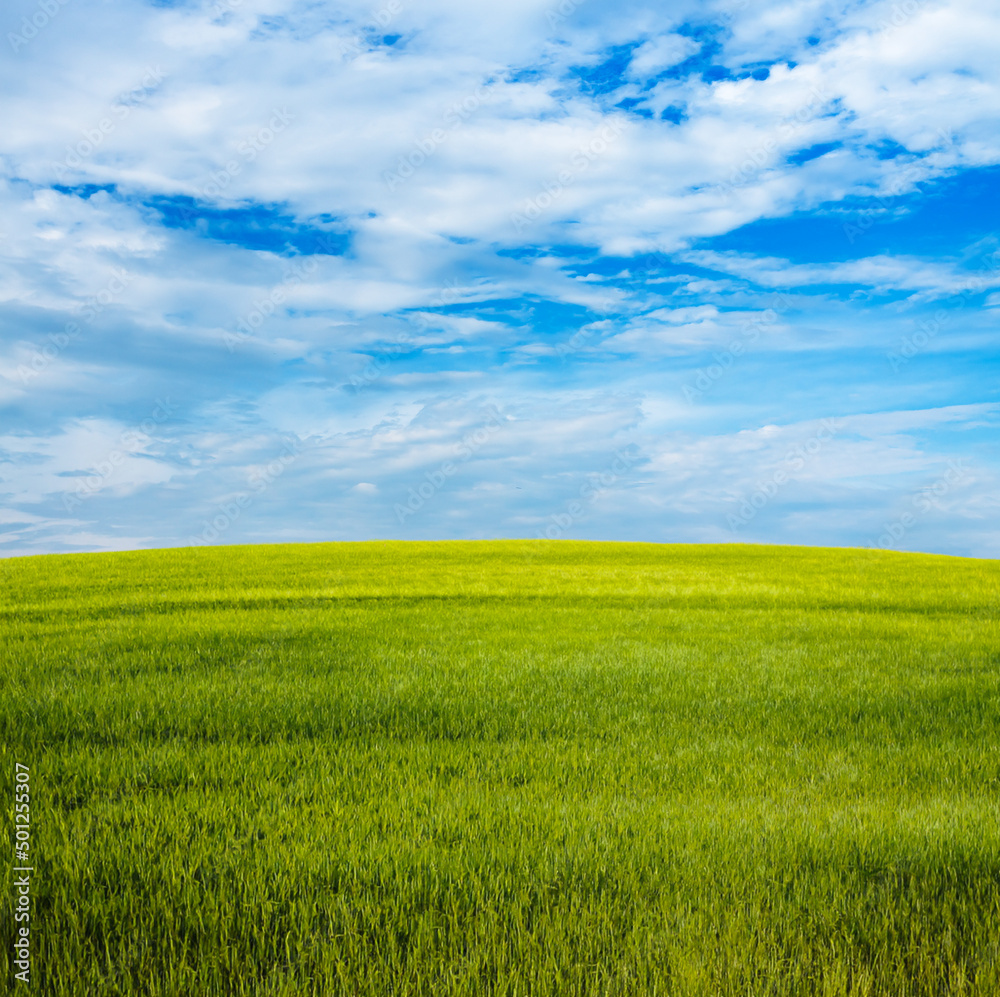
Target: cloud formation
334,240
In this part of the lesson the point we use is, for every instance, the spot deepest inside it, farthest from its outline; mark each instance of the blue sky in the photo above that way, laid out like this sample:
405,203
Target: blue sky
277,270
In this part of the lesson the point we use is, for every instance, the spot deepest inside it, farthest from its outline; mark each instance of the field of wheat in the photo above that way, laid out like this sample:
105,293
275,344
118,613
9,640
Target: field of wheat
518,768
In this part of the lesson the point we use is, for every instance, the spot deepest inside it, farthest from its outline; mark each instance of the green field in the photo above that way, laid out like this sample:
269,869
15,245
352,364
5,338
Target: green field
516,768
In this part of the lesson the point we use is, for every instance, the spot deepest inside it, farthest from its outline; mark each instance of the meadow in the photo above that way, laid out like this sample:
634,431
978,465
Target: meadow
518,768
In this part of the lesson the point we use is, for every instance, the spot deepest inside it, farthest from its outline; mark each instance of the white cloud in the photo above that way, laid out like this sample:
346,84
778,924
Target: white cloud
354,119
299,108
880,273
657,54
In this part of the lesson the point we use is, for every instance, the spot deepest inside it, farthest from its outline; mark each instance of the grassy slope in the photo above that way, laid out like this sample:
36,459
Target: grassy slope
508,768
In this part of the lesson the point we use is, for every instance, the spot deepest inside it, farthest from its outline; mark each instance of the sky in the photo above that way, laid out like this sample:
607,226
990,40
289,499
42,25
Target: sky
289,271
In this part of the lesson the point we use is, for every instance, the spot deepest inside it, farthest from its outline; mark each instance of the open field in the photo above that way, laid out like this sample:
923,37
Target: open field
506,768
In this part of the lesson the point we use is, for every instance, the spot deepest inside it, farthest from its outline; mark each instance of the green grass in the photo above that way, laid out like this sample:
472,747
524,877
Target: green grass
507,768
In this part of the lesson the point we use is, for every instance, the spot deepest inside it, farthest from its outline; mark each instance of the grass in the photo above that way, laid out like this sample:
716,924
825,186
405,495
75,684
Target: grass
507,768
